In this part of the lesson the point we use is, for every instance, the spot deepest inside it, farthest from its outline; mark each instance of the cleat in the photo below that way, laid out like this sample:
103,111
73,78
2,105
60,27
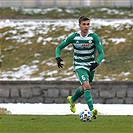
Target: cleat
94,113
72,105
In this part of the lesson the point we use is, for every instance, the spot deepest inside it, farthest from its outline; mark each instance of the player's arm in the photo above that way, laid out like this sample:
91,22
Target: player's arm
62,45
100,50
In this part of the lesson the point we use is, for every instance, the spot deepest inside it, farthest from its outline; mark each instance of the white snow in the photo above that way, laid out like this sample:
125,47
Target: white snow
31,28
63,109
117,40
39,39
22,72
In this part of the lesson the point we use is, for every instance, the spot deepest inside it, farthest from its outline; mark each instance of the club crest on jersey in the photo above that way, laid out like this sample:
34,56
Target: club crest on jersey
90,41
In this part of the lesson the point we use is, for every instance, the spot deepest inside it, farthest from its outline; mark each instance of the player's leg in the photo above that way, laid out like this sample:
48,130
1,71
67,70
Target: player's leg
78,93
87,95
88,77
89,99
84,79
71,99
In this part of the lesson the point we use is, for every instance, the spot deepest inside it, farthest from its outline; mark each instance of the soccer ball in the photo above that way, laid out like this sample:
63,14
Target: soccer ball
85,116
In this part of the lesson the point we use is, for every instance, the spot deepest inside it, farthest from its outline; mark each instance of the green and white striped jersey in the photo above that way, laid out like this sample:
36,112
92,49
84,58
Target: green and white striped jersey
84,49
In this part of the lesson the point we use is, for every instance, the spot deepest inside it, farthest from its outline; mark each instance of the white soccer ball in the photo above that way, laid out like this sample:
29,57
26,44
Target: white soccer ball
85,116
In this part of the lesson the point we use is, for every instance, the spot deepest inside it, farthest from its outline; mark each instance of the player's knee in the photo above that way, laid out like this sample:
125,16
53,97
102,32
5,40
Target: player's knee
86,85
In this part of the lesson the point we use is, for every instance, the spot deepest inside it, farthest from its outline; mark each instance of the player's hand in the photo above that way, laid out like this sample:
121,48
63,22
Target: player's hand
59,60
93,66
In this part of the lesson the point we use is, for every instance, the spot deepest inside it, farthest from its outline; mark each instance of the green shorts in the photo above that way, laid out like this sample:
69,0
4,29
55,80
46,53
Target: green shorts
84,75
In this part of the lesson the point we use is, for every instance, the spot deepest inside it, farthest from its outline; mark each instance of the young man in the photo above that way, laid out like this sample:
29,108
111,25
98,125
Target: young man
85,44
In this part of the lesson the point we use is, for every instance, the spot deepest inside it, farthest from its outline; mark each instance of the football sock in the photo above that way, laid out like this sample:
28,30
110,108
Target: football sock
78,93
88,98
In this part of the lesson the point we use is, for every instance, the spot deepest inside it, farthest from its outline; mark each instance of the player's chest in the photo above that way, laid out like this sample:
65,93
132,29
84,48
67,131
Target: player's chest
85,43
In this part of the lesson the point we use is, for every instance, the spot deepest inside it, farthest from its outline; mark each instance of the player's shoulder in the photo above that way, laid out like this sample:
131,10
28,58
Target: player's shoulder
72,35
93,34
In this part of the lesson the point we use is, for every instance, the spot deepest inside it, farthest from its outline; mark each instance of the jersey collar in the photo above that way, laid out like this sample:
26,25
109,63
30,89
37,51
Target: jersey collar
89,32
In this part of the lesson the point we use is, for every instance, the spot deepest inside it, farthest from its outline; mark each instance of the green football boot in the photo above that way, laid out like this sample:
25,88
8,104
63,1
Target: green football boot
94,113
72,105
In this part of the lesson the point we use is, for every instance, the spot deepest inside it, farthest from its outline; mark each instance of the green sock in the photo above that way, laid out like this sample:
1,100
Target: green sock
78,93
88,98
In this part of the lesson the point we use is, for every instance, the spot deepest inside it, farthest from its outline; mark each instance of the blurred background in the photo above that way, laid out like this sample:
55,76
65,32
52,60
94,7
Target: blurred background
29,29
65,3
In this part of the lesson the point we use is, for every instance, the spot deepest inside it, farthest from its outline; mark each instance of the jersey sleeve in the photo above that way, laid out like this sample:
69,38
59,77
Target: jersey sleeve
99,48
63,44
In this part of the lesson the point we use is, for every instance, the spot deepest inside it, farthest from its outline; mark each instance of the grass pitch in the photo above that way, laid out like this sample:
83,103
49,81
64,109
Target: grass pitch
64,124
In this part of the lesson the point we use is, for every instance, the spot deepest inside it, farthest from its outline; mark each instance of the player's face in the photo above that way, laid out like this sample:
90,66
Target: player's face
84,27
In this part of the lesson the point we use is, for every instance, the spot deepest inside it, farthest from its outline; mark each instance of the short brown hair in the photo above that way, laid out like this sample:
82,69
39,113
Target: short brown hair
83,18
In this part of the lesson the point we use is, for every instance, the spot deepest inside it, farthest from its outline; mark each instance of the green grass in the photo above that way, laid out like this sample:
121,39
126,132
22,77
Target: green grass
63,13
64,124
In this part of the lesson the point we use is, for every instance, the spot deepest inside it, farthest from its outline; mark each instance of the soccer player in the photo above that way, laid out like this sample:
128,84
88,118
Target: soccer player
85,44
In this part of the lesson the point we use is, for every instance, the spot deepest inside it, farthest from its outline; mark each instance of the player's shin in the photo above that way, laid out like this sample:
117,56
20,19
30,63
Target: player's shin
88,99
78,93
